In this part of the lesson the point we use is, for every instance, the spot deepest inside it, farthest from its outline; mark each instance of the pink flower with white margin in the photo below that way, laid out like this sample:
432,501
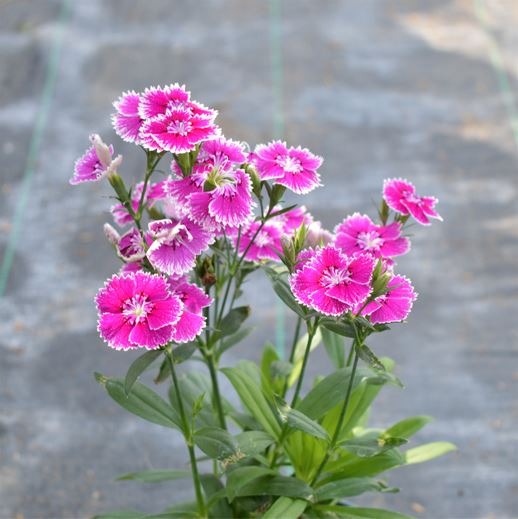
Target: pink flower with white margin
400,195
358,233
333,283
221,153
111,234
393,306
175,245
229,204
96,162
294,168
131,246
177,131
137,310
194,299
317,236
266,245
127,121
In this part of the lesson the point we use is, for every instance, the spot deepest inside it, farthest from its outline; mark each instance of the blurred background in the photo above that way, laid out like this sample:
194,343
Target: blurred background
381,88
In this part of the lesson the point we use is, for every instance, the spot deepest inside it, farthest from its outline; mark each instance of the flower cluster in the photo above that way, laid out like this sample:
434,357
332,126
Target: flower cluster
209,202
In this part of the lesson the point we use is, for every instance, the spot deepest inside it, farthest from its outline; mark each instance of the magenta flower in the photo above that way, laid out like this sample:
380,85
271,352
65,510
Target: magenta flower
194,299
178,130
294,168
221,153
127,121
228,204
96,162
263,245
393,306
175,245
137,310
131,246
158,100
400,195
333,283
358,233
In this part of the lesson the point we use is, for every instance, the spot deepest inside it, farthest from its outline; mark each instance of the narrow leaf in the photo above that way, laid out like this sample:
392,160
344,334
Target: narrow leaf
335,347
138,367
155,476
427,452
339,327
231,323
215,442
349,512
368,356
240,476
235,338
286,508
120,514
285,295
408,427
350,487
299,421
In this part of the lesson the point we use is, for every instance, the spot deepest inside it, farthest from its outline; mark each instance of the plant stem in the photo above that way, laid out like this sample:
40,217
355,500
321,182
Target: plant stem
292,353
187,432
341,418
209,357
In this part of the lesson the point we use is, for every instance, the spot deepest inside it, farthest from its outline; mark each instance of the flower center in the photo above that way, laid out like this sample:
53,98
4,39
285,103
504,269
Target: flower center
262,239
289,164
178,127
369,240
335,276
137,308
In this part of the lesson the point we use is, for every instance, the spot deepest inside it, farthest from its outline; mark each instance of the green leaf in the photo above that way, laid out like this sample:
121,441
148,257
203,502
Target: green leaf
427,452
241,476
353,466
155,476
143,402
347,512
286,508
215,442
298,356
251,443
231,323
299,421
350,487
284,293
216,497
276,486
183,352
252,396
372,443
138,366
368,356
164,372
339,327
408,427
120,514
235,338
335,347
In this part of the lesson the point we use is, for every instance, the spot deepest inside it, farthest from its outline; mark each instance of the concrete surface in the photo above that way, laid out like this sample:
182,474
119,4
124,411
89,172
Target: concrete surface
379,88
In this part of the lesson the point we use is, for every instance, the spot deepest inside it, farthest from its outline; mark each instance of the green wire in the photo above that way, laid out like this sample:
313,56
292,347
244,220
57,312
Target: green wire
34,147
278,132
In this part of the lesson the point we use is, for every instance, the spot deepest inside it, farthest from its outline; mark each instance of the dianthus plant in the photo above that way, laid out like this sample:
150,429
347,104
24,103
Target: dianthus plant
282,446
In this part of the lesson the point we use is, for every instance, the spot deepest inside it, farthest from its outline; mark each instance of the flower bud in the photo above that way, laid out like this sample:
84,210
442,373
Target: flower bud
254,177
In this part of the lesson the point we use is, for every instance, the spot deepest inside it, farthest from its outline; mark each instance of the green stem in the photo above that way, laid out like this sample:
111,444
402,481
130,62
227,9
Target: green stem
209,357
200,500
292,352
341,418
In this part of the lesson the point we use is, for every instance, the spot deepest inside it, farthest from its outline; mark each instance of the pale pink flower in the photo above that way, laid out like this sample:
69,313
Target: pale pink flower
127,121
111,234
194,299
137,310
177,131
393,306
400,195
96,162
294,168
317,236
333,283
293,219
175,245
358,234
221,153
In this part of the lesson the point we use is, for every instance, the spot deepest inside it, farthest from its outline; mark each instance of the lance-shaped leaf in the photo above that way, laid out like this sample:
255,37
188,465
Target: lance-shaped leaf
138,366
286,508
335,347
216,443
155,476
350,487
427,452
372,443
350,512
408,427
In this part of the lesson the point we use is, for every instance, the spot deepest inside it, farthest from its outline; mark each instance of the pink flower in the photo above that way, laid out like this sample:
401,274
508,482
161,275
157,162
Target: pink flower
401,196
175,245
96,162
262,245
178,130
357,234
221,153
131,246
194,300
317,236
294,168
111,234
393,306
228,204
127,121
157,100
333,283
137,310
293,219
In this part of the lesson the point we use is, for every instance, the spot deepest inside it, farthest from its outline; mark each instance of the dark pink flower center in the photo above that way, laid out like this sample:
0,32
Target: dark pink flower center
137,308
369,240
